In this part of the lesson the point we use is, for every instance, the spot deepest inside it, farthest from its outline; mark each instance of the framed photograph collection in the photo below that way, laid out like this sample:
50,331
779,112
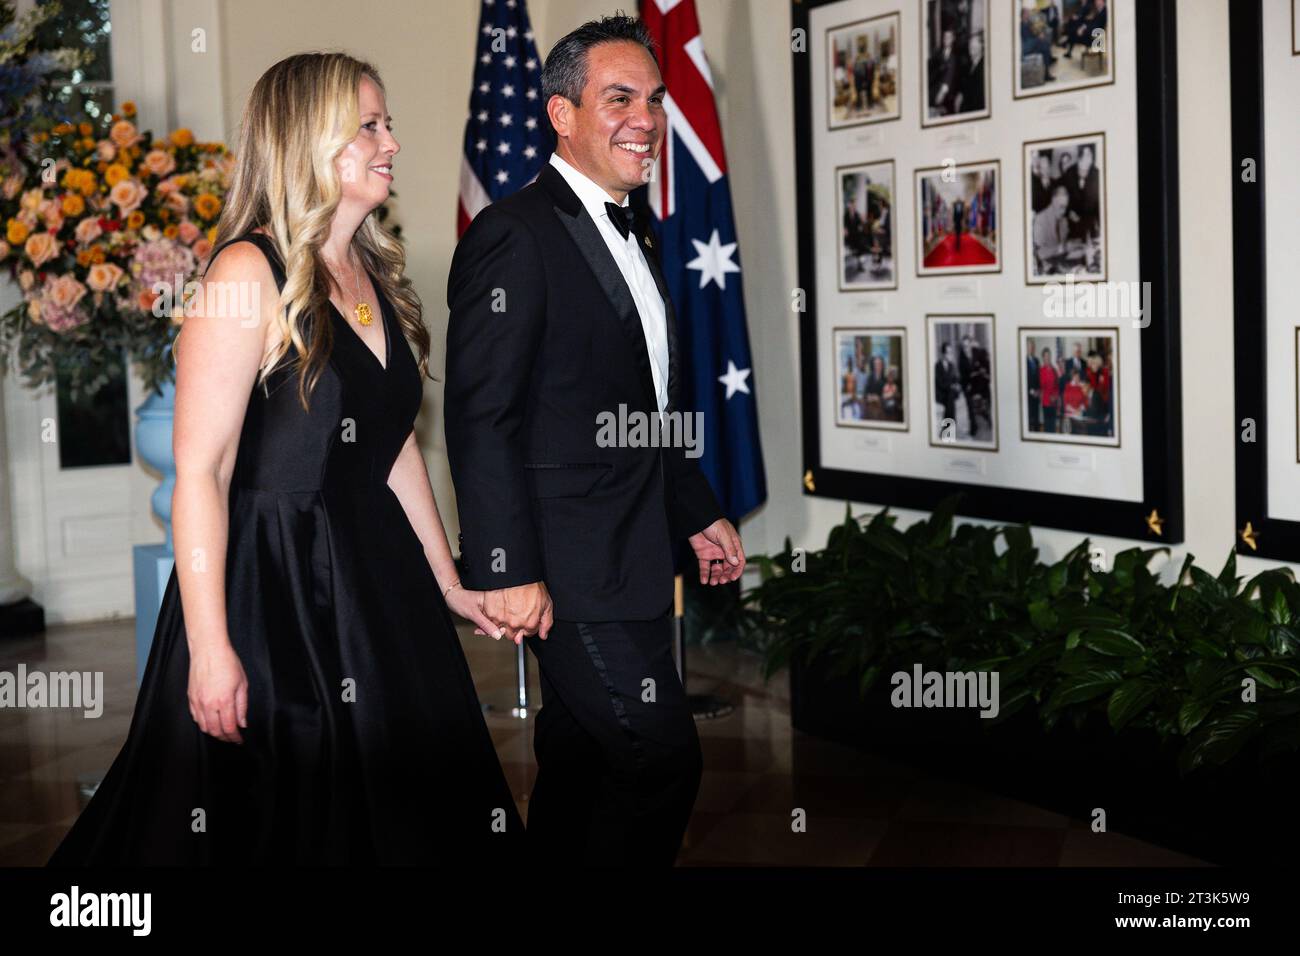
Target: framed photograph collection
1032,338
1265,79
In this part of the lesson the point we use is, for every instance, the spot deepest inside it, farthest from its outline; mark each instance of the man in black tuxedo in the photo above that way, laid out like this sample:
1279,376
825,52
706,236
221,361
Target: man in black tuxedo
559,318
947,388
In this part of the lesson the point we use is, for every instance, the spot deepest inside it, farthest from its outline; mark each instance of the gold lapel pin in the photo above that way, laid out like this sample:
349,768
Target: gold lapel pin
808,480
1155,522
1248,535
647,241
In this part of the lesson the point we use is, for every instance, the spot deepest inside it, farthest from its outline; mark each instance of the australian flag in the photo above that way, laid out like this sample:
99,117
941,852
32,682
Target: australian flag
508,138
691,205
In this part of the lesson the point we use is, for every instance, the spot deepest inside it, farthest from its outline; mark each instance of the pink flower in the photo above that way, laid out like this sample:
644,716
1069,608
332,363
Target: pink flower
64,292
11,186
177,202
161,261
41,247
202,249
52,214
31,201
4,249
88,230
188,232
105,151
159,162
63,320
26,279
104,277
128,194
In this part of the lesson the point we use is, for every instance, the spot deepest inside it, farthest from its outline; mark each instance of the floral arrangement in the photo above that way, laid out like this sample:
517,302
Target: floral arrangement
100,221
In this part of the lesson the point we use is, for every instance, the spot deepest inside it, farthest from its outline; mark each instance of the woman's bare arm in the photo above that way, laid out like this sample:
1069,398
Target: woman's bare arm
409,480
217,357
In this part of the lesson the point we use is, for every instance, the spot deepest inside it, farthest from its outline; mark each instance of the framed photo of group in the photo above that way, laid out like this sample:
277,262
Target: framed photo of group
1265,79
990,284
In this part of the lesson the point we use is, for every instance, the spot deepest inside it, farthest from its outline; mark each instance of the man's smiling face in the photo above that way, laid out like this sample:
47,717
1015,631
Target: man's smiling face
616,133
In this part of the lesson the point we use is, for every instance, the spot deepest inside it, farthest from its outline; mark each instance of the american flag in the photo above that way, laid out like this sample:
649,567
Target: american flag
508,138
691,205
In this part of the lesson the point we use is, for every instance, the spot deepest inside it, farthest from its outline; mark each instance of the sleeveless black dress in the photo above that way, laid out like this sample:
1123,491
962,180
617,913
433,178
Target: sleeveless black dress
365,742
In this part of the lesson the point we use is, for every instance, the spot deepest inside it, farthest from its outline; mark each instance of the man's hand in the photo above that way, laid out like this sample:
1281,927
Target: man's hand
719,542
521,610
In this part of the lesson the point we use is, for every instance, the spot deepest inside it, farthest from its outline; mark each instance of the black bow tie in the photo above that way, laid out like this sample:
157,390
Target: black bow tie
623,217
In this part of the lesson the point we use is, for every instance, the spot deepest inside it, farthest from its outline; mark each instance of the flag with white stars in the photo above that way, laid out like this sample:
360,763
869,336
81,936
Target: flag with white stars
690,203
508,138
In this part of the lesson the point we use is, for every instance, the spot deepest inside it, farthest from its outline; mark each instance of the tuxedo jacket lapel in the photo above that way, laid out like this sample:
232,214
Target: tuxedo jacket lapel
587,236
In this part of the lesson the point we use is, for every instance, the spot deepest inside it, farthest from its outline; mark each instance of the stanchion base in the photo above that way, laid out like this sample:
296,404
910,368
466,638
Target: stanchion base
512,710
708,707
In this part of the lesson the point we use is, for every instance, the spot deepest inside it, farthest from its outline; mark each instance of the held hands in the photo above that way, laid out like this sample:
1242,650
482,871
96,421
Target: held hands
218,693
469,605
517,611
719,542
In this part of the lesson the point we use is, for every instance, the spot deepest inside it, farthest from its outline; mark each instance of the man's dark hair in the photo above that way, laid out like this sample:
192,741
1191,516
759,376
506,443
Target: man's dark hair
565,71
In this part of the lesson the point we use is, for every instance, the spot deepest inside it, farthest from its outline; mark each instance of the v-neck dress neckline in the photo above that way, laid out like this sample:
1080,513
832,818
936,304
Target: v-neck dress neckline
383,317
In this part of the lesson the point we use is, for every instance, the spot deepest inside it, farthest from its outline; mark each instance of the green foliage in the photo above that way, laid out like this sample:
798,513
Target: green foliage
1067,639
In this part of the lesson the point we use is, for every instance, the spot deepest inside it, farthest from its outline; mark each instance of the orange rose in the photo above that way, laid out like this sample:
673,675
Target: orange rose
182,137
115,174
88,230
83,257
128,108
41,248
169,232
127,195
97,254
65,291
135,220
123,133
85,129
73,205
159,162
104,277
16,232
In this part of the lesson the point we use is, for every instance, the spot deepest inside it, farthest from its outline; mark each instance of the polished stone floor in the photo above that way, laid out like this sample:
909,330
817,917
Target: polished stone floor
861,810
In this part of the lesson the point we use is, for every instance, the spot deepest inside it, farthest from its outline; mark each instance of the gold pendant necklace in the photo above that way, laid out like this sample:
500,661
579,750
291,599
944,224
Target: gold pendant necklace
363,313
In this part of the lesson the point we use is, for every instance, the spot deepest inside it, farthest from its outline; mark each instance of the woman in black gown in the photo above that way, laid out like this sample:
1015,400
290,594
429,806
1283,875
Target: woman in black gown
312,705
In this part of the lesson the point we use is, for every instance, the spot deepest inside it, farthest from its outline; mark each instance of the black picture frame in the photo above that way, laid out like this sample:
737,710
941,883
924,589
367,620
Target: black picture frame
1158,517
1258,534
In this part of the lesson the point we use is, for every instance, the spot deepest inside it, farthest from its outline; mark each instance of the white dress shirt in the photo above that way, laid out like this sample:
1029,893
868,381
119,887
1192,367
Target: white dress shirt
636,273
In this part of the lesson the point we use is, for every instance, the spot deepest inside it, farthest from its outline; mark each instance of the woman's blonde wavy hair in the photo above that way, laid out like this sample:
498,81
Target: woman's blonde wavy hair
301,114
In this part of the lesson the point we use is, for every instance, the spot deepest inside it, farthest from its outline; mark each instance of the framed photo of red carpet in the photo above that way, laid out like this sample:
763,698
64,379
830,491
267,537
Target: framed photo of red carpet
1014,222
957,219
